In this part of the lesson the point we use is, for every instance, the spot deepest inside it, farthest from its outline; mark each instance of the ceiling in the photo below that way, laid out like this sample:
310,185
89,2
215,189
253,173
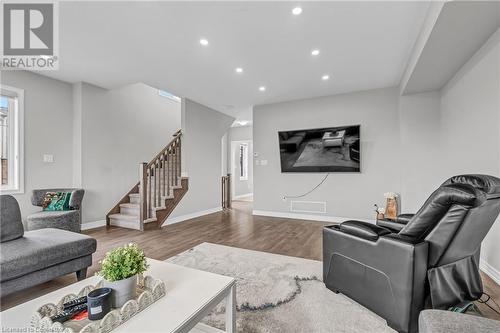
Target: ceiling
460,30
363,45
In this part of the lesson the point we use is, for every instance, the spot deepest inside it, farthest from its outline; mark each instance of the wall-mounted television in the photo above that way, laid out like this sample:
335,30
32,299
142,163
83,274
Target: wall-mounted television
329,149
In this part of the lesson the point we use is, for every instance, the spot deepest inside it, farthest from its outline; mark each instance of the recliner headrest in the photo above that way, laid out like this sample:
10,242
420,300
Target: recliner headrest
489,184
438,204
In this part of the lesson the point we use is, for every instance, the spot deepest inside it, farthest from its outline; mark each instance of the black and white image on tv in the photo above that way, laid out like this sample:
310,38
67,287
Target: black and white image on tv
331,149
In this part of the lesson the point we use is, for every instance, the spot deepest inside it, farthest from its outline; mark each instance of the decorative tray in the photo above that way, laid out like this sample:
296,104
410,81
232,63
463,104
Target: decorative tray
149,290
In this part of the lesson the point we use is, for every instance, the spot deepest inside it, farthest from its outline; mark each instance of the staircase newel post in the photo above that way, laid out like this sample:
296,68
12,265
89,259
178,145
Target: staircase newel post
143,205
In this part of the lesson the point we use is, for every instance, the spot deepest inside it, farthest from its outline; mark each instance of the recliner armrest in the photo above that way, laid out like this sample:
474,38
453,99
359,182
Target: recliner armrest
364,230
404,218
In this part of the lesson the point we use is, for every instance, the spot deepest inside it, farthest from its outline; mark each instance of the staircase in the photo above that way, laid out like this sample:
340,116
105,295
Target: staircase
160,188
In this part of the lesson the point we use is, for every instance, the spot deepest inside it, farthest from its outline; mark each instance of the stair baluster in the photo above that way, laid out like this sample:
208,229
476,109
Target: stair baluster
157,182
178,173
169,170
162,175
180,161
172,156
143,176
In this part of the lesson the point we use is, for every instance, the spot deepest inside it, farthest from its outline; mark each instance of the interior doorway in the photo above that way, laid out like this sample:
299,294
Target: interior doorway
242,170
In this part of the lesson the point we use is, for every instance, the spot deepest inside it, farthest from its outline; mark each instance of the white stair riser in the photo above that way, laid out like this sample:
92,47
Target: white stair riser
125,223
166,181
167,193
136,212
135,199
153,186
129,211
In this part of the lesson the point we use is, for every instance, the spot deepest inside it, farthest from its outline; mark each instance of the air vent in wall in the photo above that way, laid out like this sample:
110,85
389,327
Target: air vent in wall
308,207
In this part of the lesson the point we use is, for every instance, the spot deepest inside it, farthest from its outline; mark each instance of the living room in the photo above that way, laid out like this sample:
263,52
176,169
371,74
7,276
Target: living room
327,167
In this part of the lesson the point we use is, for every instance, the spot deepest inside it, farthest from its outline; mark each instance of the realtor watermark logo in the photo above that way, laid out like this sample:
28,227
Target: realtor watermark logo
30,39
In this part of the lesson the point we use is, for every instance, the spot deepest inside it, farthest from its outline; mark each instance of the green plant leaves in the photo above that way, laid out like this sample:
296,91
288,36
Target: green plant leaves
123,262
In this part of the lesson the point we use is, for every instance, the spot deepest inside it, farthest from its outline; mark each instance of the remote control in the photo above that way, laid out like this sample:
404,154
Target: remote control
67,314
75,302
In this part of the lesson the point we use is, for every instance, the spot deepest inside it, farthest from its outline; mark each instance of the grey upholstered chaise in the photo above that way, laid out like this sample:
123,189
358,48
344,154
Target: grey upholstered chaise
67,220
440,321
33,257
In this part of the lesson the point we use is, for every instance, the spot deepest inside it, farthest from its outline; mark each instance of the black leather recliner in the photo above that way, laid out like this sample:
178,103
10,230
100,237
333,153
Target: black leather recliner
432,262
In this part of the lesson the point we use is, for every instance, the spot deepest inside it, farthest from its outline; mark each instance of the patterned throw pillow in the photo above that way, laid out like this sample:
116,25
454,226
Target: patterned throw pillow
56,201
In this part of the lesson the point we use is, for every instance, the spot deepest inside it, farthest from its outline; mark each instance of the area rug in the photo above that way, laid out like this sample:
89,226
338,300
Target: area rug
276,293
314,154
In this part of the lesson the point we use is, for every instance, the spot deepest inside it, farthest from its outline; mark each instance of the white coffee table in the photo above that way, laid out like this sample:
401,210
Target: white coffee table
191,295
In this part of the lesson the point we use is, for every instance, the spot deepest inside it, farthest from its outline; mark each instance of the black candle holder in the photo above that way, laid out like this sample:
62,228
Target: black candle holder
99,303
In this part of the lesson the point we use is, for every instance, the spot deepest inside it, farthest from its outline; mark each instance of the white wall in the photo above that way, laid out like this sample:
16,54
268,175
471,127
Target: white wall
120,129
470,129
224,153
419,122
203,129
346,194
47,130
241,134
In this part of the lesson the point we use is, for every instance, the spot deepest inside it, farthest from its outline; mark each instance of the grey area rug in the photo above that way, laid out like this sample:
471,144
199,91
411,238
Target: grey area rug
276,293
314,154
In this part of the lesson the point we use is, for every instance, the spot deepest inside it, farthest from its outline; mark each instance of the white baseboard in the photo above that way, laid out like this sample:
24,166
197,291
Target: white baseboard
311,217
489,270
94,224
177,219
236,197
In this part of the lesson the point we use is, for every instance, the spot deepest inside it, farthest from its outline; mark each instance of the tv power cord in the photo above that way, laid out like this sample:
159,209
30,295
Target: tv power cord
308,192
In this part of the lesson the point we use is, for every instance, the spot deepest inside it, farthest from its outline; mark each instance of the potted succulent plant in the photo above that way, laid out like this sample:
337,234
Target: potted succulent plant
119,269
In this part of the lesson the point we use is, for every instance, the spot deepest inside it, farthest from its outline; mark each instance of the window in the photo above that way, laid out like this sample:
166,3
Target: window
11,139
243,161
168,95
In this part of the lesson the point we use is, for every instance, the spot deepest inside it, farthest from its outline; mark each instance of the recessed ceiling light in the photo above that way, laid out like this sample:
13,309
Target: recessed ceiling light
325,77
315,52
204,42
297,11
239,70
262,88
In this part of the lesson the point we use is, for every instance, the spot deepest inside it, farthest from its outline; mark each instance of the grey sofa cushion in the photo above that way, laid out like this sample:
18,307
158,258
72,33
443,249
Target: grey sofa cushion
439,321
40,249
11,225
66,220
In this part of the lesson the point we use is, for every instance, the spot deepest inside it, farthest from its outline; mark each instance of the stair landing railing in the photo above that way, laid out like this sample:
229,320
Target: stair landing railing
158,178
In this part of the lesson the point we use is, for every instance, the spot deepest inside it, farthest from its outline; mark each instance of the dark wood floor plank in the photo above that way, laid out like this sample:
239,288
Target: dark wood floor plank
236,227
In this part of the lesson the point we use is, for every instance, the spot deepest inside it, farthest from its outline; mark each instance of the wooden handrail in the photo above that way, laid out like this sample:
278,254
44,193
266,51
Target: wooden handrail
176,136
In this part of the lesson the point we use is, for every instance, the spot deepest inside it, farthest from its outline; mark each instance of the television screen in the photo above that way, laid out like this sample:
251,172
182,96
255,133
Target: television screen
331,149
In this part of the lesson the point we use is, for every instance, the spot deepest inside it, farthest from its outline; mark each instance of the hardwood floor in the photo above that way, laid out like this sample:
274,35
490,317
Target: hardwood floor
236,227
